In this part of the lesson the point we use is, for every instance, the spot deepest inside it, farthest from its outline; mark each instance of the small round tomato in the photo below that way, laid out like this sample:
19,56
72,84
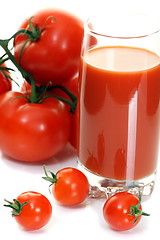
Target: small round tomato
69,186
123,211
31,210
5,81
32,131
52,54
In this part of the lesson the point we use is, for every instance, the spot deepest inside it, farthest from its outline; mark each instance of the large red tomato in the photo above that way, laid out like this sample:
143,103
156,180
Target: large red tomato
72,86
32,131
54,57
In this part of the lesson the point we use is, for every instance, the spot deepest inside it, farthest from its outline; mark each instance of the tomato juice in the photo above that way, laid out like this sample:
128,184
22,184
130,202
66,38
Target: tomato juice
119,112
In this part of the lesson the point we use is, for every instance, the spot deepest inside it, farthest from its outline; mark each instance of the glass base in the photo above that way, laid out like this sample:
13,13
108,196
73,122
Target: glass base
101,187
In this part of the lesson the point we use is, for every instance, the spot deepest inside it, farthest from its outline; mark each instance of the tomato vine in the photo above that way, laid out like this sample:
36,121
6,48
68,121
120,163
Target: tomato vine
38,93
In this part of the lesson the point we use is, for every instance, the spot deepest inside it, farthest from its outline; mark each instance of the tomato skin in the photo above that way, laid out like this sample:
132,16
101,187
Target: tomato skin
116,211
30,131
5,83
72,86
54,58
71,188
36,213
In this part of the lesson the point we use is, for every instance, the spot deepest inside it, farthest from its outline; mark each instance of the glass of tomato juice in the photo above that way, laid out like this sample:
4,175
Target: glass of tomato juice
119,103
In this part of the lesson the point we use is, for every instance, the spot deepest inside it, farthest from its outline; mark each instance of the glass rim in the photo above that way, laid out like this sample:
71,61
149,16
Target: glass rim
96,33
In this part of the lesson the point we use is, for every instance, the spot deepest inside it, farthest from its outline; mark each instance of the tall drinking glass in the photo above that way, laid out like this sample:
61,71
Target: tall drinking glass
119,103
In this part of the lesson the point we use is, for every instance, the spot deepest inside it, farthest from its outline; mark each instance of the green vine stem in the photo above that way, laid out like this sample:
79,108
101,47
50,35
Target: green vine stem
72,103
72,97
4,44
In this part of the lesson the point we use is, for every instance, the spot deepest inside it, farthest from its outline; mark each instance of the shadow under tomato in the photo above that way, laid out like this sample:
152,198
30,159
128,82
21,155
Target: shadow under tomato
77,206
67,156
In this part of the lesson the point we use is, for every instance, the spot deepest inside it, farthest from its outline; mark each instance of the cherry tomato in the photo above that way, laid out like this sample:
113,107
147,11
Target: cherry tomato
69,186
32,131
54,57
31,210
123,211
5,82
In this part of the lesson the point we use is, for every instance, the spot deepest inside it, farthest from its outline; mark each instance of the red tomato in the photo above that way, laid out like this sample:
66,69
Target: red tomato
32,131
54,57
70,186
35,213
118,208
5,82
72,86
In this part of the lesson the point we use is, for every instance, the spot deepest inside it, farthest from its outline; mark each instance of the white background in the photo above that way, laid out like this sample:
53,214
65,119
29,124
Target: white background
84,221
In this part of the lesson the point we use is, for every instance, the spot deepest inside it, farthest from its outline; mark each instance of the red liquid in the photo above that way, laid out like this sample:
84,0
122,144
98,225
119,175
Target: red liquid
119,112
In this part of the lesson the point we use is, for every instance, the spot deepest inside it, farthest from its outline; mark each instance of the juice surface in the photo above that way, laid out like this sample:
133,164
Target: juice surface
119,112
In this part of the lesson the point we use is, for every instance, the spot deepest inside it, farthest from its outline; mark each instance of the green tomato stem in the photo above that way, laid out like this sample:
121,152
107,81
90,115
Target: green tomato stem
53,179
16,206
135,211
25,74
70,103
